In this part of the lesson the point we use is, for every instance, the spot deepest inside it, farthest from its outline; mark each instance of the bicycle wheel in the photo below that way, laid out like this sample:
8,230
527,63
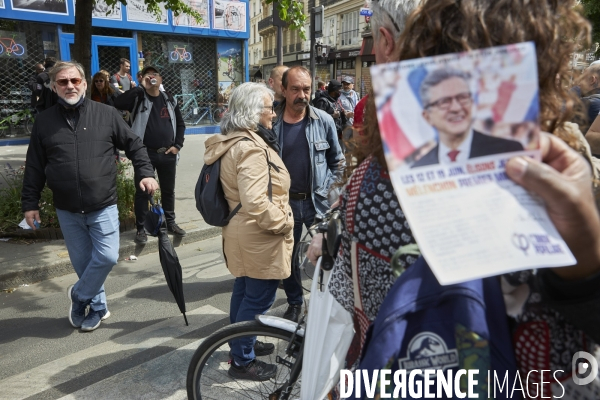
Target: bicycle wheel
217,115
174,55
18,50
187,56
208,377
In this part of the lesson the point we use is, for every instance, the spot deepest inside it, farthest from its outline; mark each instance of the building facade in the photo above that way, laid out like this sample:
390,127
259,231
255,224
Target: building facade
346,36
200,61
255,45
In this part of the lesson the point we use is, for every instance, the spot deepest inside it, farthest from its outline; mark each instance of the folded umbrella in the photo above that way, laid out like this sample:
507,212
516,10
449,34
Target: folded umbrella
156,225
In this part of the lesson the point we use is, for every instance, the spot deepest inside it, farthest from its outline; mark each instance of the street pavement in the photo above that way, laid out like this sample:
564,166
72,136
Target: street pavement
25,262
141,352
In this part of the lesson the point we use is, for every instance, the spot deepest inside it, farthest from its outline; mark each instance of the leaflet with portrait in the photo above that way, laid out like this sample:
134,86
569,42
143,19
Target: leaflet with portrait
449,124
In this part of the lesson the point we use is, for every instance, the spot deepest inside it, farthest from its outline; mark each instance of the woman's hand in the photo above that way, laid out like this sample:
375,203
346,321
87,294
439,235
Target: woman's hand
564,182
315,249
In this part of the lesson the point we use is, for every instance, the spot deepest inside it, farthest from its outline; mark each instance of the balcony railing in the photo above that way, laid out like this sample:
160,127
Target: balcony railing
265,23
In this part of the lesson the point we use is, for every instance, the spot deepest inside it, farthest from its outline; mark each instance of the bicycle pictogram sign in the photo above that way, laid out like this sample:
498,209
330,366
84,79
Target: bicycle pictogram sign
180,54
9,46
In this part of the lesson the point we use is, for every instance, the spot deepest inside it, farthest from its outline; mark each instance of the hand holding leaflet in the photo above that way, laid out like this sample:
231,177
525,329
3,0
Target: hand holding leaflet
449,124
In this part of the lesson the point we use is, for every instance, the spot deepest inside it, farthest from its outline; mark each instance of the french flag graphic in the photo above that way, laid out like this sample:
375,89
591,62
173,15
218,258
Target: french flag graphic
415,132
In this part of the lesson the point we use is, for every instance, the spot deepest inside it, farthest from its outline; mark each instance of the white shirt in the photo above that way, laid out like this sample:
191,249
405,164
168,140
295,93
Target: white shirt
464,150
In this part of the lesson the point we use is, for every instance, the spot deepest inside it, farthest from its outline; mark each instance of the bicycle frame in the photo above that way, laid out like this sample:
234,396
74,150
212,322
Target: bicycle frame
284,392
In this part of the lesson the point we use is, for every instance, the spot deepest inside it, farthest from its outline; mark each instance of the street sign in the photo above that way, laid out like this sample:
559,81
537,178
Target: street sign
367,12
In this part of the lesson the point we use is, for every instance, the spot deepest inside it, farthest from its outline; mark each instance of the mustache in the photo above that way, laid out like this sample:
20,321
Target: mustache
301,101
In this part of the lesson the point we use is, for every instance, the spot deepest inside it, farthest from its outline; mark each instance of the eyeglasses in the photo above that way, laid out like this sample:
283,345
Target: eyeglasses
65,81
272,108
154,75
98,81
445,102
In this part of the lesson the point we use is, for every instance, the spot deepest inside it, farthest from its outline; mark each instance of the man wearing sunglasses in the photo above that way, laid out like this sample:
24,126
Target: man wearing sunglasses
448,107
72,149
156,119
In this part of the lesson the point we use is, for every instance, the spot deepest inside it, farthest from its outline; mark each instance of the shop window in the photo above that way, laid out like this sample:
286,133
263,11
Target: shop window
29,43
195,81
349,35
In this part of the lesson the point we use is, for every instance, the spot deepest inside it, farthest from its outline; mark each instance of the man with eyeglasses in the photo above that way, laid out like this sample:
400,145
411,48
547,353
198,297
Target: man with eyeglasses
155,118
448,107
72,149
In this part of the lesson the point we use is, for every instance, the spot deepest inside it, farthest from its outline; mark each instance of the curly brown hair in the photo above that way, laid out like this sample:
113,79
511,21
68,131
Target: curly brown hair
449,26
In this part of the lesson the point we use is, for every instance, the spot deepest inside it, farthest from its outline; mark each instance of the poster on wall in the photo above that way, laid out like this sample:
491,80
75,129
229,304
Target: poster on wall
178,52
104,11
229,61
43,6
137,12
229,15
201,6
12,44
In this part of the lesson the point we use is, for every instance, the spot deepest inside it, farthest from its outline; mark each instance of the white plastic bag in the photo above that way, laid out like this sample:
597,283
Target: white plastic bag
329,332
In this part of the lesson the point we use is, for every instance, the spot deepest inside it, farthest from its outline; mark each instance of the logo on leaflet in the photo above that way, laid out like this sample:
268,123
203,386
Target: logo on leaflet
428,351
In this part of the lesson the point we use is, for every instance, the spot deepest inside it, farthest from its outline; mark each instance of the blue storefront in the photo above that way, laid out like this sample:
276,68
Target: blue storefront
200,62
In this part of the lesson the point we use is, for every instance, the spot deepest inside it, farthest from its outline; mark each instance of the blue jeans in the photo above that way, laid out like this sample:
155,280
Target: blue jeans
304,215
93,243
250,297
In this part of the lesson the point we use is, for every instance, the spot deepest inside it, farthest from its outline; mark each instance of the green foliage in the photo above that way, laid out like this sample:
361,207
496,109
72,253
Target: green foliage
591,10
125,189
10,198
292,12
155,7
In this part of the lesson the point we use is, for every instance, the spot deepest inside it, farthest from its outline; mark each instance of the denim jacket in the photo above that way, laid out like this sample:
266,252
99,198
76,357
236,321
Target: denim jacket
328,161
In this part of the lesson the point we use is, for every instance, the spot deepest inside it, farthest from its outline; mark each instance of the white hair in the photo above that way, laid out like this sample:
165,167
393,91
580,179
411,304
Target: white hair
246,105
392,15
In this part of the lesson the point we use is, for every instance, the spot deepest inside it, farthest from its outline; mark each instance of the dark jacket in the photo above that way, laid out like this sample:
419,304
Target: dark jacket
136,101
79,165
328,104
482,145
46,96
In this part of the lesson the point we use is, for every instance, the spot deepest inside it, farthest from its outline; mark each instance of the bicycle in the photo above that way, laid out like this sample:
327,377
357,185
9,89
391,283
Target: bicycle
23,119
12,47
182,55
208,377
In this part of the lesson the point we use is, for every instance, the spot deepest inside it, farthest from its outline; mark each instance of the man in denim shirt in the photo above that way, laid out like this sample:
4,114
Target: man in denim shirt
314,159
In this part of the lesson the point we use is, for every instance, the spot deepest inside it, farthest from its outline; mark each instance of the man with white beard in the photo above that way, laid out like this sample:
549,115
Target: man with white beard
72,148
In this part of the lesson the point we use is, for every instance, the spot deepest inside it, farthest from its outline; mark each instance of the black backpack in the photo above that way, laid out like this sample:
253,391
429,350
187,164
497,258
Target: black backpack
210,198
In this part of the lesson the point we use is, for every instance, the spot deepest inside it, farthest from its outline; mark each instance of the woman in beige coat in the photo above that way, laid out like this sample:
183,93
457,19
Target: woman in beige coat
258,240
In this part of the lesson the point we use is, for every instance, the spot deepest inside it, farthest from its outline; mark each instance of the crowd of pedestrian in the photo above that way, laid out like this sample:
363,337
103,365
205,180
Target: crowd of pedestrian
282,161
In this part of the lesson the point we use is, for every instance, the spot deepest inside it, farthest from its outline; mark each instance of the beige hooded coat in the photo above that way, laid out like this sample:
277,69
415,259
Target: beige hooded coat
258,241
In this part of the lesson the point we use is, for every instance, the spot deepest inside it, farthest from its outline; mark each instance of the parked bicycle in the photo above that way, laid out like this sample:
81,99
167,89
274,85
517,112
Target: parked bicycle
208,377
19,121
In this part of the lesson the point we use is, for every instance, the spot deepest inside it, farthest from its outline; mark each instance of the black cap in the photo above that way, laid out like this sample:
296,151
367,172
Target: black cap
150,68
334,85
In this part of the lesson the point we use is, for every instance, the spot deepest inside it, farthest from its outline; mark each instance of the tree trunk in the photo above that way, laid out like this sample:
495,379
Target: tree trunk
82,48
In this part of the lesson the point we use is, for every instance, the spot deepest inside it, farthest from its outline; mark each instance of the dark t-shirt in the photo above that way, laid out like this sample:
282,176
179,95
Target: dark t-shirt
296,156
159,130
